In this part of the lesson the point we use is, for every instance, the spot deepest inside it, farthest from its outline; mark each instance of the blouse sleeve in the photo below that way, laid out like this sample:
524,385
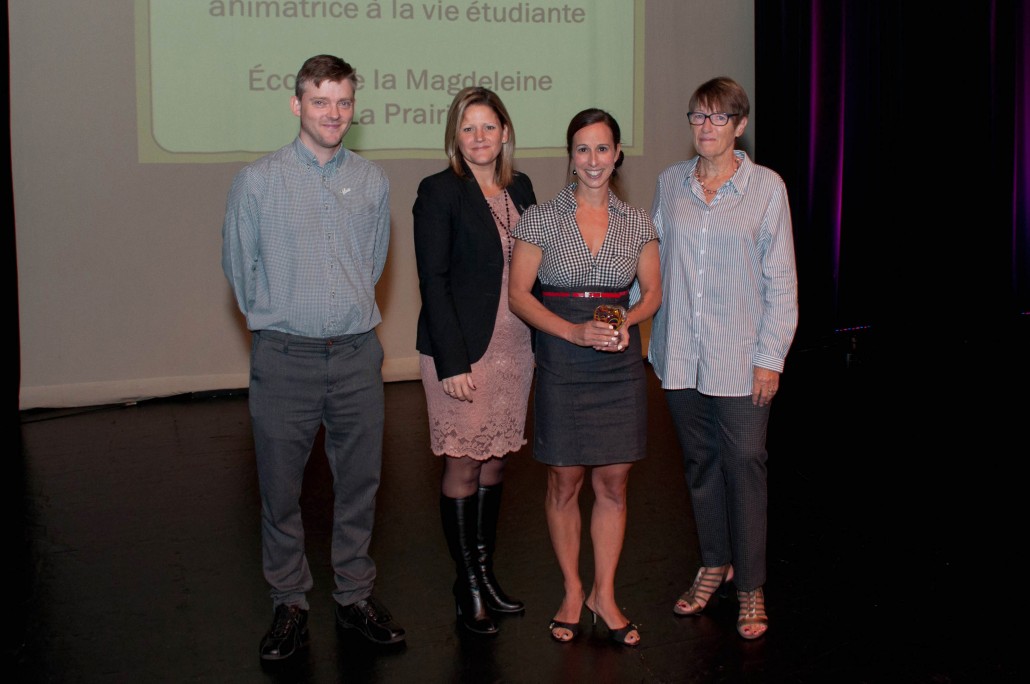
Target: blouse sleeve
530,227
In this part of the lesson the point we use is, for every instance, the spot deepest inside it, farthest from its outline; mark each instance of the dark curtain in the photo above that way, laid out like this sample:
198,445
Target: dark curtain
901,131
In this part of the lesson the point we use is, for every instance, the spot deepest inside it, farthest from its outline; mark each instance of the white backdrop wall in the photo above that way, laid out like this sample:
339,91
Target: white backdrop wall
120,290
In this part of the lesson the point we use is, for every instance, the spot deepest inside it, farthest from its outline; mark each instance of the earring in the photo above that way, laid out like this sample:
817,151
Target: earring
574,172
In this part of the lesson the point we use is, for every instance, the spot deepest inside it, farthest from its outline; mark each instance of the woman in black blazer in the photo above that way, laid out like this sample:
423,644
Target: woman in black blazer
476,356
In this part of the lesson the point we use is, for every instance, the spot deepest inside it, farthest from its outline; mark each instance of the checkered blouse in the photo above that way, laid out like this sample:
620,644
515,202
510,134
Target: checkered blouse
567,261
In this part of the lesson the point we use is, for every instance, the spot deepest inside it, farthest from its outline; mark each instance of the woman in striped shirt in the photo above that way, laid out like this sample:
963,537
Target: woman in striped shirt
719,342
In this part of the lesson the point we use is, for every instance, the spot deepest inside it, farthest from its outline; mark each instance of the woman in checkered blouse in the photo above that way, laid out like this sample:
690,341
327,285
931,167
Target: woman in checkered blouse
590,409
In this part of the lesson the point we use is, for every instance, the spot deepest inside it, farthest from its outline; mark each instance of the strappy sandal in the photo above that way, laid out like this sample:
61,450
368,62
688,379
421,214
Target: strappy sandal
752,622
706,583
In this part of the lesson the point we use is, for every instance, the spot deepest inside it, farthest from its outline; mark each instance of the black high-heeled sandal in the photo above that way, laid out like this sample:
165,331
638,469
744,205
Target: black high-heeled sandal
621,634
573,628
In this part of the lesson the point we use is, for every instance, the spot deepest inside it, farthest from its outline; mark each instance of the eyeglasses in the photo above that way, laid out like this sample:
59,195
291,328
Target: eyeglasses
698,118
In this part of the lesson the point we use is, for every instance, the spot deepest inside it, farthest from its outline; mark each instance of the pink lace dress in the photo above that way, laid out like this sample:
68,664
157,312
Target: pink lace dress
494,423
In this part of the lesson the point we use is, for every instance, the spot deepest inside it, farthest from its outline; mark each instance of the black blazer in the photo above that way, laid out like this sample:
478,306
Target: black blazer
460,261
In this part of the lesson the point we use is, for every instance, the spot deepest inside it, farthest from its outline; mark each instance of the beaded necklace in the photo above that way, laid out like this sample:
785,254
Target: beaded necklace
506,224
704,188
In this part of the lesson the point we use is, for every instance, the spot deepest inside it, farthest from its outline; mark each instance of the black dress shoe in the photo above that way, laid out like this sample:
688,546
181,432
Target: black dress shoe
372,619
289,632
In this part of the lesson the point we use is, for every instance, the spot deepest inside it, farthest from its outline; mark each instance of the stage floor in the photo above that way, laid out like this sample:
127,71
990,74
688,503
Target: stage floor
894,489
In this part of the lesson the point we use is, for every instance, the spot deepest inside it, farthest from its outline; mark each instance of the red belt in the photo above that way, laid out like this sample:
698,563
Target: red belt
605,295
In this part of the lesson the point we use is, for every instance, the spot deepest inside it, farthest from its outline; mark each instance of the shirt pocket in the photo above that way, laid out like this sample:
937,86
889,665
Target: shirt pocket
356,206
622,265
358,219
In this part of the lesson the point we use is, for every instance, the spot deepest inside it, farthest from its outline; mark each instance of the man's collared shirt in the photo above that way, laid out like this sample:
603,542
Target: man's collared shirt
303,245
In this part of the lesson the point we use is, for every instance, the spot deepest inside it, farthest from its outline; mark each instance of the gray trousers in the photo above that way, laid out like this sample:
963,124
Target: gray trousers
723,443
297,385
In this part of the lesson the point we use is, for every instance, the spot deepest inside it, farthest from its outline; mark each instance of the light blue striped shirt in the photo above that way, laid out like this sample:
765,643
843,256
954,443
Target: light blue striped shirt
304,245
729,282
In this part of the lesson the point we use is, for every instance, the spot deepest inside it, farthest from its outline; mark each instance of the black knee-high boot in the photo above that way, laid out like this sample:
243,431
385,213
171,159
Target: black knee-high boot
486,540
459,527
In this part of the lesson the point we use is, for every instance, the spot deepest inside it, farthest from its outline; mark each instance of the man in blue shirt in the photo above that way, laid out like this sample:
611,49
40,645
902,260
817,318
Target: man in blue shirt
304,242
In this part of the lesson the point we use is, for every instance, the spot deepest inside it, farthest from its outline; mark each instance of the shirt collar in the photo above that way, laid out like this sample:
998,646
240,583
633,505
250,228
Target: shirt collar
308,157
738,181
565,202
